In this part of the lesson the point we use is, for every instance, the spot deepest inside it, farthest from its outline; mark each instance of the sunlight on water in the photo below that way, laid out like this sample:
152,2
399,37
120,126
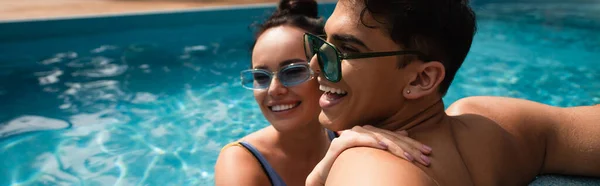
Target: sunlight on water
115,111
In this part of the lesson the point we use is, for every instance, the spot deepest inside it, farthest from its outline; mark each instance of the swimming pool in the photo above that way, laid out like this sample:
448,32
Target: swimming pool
151,99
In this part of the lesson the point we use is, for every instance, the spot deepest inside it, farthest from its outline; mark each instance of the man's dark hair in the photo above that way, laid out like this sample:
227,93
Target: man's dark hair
442,29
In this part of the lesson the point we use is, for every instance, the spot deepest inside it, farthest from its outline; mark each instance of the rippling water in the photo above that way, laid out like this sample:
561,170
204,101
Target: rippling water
123,108
154,107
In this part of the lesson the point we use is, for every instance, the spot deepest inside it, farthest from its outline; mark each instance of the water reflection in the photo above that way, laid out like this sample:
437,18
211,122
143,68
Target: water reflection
26,124
141,114
138,113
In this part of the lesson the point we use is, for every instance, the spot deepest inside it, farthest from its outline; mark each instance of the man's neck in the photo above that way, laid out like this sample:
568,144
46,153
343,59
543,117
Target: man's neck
409,117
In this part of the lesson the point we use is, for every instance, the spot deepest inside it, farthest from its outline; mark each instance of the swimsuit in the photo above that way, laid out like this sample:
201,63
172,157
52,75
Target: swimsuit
273,176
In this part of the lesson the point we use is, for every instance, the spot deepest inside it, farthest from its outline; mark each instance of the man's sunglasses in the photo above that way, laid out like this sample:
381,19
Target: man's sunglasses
330,58
290,75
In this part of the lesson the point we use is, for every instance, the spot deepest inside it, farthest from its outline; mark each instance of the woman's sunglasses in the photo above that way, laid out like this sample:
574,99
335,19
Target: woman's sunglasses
330,58
290,75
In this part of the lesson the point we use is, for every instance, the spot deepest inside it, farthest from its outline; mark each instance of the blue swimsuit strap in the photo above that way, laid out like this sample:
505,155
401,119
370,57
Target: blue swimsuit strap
273,176
332,135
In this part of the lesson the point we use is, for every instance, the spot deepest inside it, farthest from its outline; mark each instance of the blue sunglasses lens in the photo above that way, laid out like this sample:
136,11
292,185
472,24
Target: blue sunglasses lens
256,79
294,75
288,76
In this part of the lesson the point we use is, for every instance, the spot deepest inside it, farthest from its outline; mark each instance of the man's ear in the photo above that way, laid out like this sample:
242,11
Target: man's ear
427,80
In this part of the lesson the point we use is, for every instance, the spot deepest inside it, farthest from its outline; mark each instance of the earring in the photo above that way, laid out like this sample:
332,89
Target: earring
407,91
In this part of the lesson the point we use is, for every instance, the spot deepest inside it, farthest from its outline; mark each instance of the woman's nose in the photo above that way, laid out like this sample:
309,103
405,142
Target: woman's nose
276,88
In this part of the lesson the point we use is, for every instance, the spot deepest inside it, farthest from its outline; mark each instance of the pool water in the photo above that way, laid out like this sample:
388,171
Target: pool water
154,106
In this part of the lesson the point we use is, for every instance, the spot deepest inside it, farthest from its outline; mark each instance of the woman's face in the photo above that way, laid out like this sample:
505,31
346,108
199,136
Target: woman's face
286,108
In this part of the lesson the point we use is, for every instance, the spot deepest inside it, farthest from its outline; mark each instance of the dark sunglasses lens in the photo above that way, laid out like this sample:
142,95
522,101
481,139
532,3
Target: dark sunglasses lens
327,56
294,75
312,45
329,62
255,79
308,46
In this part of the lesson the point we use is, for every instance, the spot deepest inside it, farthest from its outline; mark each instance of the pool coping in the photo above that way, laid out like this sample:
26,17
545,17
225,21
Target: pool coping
142,12
34,29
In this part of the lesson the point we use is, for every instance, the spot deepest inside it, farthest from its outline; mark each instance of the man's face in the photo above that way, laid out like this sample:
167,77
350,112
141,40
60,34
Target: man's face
371,88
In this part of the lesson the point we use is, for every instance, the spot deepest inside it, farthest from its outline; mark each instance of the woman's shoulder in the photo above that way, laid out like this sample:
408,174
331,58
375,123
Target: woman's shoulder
259,138
242,149
236,164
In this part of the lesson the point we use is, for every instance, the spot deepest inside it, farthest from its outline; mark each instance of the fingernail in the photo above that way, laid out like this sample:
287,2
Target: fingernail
408,156
383,145
427,148
403,132
425,159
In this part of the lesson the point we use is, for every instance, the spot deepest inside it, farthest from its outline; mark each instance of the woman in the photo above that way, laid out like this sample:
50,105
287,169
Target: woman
287,93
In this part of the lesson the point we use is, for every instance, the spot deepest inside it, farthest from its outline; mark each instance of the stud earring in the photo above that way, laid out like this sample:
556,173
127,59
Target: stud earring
407,91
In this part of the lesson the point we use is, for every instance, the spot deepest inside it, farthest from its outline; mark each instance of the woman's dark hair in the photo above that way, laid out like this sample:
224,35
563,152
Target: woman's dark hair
298,13
442,29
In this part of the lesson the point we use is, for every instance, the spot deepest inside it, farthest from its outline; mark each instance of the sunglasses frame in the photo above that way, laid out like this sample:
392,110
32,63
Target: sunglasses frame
342,56
272,75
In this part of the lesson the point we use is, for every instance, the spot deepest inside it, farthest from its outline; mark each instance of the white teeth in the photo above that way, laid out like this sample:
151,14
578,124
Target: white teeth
323,88
331,90
277,108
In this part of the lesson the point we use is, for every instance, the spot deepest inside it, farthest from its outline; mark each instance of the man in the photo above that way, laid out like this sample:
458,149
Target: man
389,63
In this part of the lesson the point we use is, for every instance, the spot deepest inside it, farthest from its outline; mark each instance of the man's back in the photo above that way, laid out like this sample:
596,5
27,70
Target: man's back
474,150
567,137
507,141
469,150
499,142
497,155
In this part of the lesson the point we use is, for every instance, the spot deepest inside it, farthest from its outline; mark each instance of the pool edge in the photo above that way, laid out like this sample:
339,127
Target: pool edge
34,29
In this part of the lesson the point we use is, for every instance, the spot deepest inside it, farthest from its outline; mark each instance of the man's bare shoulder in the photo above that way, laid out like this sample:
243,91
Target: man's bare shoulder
525,114
517,116
369,166
501,108
512,131
525,122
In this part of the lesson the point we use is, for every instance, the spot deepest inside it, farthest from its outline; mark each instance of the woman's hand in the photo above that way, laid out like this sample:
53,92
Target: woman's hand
398,143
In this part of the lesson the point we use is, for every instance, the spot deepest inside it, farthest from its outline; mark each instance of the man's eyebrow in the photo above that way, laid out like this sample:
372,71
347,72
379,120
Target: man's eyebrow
350,39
